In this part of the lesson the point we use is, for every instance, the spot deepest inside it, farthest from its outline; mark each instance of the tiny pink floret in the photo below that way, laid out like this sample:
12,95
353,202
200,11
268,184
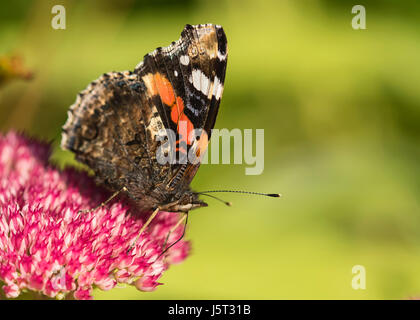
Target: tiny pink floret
48,247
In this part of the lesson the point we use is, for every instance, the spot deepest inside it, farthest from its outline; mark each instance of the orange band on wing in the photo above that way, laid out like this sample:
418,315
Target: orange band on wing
178,116
165,89
158,84
177,109
202,144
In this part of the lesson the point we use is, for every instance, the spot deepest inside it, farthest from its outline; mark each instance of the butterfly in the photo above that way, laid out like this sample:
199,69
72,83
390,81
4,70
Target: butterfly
114,126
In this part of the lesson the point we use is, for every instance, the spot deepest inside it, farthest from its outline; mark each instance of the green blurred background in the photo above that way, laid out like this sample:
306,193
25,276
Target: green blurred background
340,109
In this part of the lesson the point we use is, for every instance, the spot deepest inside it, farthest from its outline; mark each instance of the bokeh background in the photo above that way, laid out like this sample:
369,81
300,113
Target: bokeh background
341,114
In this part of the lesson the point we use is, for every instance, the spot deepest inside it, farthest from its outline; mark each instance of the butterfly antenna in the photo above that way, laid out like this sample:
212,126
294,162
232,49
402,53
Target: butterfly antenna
214,197
274,195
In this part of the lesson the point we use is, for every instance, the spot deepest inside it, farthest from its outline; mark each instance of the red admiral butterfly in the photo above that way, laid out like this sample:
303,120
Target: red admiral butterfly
114,124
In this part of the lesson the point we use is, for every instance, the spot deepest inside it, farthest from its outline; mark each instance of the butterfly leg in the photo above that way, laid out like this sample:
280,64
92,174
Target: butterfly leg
103,203
173,229
165,249
144,228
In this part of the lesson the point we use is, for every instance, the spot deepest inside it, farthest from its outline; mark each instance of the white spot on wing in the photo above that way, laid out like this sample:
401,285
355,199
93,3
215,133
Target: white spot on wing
219,91
139,65
185,60
222,57
205,84
218,88
200,81
196,74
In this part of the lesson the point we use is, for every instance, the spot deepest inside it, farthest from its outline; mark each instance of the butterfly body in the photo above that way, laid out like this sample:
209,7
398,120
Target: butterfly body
114,124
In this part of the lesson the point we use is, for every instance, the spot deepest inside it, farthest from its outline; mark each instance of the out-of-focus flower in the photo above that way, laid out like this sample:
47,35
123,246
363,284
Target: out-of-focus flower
48,247
11,67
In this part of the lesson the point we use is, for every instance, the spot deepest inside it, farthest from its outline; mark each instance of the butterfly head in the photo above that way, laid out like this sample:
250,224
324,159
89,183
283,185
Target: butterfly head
188,201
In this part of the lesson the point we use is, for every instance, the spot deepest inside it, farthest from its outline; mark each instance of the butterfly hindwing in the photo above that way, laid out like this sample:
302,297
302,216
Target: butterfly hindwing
114,124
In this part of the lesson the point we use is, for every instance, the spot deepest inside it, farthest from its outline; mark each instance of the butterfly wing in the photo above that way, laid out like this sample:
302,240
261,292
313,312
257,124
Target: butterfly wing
113,125
111,128
187,80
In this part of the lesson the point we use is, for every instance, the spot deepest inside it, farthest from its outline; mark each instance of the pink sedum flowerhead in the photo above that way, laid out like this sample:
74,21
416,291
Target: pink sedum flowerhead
48,247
